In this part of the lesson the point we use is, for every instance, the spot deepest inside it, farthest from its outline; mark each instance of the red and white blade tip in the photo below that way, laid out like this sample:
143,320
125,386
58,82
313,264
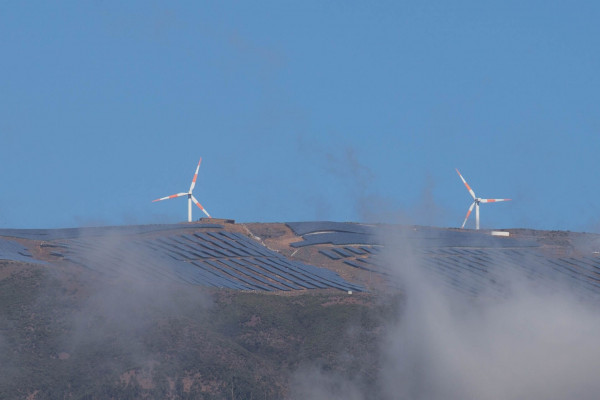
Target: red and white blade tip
468,213
493,200
466,184
170,197
200,207
195,176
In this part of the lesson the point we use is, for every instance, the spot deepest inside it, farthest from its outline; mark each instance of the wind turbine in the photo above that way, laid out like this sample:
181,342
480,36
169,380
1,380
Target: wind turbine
476,202
191,198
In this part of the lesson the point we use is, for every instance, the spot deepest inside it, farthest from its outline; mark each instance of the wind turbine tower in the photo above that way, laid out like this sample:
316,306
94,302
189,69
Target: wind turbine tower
476,202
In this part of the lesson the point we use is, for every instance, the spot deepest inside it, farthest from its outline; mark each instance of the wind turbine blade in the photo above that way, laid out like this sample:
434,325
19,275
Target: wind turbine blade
170,197
467,185
200,206
195,176
493,200
468,213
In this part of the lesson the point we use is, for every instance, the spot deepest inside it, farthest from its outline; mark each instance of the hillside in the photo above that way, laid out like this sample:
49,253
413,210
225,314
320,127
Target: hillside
218,310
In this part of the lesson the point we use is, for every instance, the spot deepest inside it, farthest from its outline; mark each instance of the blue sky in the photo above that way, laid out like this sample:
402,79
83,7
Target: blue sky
337,110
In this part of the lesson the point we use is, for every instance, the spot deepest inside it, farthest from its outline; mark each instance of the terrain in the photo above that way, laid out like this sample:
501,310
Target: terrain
152,312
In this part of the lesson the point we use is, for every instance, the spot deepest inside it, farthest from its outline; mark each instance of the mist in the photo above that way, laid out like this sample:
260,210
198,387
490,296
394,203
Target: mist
524,337
8,368
524,341
100,325
124,304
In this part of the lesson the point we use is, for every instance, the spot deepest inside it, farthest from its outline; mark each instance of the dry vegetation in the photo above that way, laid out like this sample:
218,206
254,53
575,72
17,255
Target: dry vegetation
75,335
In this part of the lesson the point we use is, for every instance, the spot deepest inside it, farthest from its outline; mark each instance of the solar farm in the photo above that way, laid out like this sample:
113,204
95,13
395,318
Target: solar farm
471,262
200,300
316,255
198,254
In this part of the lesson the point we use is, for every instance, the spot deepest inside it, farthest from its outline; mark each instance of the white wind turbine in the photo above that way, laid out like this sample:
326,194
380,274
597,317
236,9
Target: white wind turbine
476,202
191,198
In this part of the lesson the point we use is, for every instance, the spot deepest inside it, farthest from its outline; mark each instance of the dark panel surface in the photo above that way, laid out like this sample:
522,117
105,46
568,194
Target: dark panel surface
211,258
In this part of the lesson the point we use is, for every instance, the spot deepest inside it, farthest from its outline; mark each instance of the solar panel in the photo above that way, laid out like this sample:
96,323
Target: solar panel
338,238
243,243
233,275
227,278
302,228
355,264
590,265
275,275
370,261
168,243
203,236
210,250
300,274
261,283
367,249
245,251
463,252
230,246
463,278
14,251
249,273
568,270
219,242
342,252
330,254
228,235
445,251
193,273
185,255
191,247
212,275
594,261
217,235
214,250
326,276
150,244
53,245
105,231
356,250
289,273
262,272
586,270
252,245
469,261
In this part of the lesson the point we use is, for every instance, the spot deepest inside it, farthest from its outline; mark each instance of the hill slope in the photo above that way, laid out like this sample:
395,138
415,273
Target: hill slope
87,314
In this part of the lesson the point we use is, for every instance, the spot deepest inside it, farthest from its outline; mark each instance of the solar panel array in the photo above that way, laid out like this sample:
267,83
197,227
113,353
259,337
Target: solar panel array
342,233
72,233
206,254
215,258
471,262
13,251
